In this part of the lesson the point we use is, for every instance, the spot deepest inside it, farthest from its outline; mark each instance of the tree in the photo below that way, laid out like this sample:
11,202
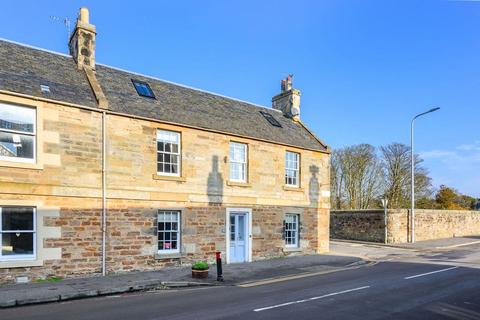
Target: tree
361,177
397,173
355,177
336,180
467,202
426,203
449,199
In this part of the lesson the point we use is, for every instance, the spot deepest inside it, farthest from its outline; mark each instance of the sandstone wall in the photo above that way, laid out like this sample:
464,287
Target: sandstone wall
65,186
69,163
369,225
132,235
433,224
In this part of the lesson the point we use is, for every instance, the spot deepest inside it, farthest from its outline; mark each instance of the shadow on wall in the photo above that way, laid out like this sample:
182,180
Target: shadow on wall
215,184
313,186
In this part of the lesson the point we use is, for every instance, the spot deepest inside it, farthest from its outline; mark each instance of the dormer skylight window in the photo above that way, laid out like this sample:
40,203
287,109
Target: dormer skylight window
274,122
44,88
143,89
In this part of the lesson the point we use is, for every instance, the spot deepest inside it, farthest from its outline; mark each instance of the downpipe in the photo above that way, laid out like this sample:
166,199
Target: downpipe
104,193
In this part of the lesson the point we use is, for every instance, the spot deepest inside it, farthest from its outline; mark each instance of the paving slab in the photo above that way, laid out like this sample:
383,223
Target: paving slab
440,243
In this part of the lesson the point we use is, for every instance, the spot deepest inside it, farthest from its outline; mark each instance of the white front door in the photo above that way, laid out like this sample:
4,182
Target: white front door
238,237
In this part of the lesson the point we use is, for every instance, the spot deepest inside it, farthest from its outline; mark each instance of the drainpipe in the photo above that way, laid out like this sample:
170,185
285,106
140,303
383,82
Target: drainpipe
104,192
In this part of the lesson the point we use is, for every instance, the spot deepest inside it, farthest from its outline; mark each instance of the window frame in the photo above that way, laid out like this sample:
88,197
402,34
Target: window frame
296,229
138,82
178,154
32,134
243,164
178,231
20,257
296,170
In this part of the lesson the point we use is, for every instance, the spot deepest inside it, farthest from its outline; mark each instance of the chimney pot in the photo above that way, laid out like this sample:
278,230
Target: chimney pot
288,100
84,15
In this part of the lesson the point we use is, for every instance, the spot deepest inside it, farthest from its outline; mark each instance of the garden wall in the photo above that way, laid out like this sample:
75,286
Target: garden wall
368,225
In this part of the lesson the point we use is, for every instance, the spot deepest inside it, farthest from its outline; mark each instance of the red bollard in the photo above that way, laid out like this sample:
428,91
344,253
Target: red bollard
219,266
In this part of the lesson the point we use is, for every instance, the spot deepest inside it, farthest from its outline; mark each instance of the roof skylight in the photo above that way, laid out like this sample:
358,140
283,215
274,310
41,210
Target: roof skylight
44,88
274,122
143,89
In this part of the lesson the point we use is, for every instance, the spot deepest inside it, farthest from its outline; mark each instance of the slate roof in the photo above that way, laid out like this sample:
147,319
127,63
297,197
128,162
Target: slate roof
23,69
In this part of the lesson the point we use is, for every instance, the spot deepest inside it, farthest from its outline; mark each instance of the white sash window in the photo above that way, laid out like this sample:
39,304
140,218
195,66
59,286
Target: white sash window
168,153
17,133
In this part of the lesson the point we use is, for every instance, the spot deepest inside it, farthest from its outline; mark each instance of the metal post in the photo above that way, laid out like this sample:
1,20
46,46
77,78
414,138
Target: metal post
385,218
386,226
412,178
219,266
412,160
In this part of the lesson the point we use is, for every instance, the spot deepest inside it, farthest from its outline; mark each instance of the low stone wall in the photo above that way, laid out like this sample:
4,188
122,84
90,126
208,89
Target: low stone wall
362,225
432,224
368,225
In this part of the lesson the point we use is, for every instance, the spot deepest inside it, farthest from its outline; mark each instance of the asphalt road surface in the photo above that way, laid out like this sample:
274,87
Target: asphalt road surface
387,290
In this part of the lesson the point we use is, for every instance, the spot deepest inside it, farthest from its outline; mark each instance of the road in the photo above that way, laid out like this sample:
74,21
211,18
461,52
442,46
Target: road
386,290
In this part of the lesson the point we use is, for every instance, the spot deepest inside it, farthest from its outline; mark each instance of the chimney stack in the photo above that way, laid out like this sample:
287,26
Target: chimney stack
82,41
288,101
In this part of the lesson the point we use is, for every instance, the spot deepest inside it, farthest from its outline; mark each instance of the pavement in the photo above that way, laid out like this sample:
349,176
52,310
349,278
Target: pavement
445,243
452,251
165,278
440,243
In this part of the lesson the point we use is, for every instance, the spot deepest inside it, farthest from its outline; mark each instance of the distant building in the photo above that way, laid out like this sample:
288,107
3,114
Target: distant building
16,125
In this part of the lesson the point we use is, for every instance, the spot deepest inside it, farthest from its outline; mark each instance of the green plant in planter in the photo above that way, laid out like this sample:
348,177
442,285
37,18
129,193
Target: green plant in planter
50,279
200,265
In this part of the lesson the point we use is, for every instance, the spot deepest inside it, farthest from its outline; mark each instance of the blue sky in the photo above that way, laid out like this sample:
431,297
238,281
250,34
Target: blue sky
364,67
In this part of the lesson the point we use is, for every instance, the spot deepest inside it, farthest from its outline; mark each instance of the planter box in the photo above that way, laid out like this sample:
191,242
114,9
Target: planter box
199,274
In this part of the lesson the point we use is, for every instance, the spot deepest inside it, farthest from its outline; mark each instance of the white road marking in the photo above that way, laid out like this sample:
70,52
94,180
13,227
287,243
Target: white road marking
309,299
429,273
459,245
287,278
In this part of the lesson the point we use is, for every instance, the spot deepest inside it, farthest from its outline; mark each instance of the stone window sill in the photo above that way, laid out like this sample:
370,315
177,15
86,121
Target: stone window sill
168,178
21,165
292,250
20,264
162,256
239,184
297,189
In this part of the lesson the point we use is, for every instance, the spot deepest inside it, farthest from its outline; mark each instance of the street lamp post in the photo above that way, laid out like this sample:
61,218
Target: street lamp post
412,160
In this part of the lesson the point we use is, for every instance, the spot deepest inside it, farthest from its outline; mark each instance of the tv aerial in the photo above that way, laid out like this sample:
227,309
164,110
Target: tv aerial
65,21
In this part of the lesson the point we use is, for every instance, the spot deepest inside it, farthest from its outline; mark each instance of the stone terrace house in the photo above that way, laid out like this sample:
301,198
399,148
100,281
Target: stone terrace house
104,170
